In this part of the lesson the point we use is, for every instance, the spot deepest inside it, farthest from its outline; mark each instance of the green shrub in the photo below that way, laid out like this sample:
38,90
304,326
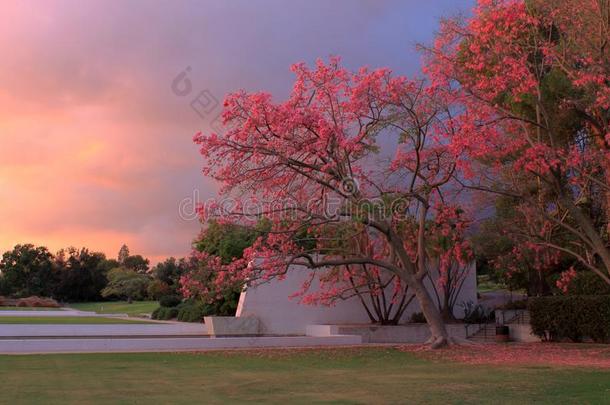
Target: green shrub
170,301
571,317
158,289
187,311
192,311
164,313
588,283
517,304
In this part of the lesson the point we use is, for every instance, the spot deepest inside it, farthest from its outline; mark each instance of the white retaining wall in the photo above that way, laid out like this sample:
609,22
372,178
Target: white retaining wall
278,314
522,333
411,333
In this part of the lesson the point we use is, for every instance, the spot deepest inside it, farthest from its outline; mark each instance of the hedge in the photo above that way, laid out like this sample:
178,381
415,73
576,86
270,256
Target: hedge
192,311
170,301
573,317
187,311
164,313
588,283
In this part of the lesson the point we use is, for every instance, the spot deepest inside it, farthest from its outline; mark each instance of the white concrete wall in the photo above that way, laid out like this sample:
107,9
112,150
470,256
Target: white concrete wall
522,333
278,314
410,333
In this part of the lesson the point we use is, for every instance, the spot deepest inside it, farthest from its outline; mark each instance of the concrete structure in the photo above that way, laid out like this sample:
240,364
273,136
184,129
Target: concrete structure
232,326
522,333
266,317
278,314
409,333
157,336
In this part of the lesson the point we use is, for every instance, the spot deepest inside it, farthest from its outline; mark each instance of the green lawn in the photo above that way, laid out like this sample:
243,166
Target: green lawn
377,375
62,320
28,309
136,308
486,284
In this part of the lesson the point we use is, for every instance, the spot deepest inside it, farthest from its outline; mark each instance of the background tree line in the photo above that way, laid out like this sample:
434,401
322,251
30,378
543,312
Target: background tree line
78,275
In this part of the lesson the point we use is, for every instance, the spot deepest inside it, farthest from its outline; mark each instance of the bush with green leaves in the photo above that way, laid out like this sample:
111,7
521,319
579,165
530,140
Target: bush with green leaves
574,317
193,311
164,313
514,305
588,283
169,301
188,311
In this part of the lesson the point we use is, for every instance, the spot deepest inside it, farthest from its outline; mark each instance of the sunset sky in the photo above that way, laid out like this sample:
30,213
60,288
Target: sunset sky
96,148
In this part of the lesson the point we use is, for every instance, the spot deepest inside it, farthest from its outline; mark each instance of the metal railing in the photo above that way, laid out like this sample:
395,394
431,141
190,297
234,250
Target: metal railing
474,328
519,316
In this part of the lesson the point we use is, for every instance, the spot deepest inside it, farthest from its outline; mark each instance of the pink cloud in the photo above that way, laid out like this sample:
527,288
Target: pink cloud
96,150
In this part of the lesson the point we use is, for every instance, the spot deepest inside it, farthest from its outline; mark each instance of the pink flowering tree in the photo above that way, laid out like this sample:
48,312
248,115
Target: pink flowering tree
452,257
529,82
383,295
315,166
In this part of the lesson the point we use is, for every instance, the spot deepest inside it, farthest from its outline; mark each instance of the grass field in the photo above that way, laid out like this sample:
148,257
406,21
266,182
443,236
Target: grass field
62,320
486,284
136,308
376,375
28,309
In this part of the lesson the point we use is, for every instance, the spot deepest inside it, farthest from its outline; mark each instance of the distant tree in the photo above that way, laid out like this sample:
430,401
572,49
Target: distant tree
505,255
81,274
123,254
136,263
127,284
169,272
200,283
227,240
27,270
157,289
218,244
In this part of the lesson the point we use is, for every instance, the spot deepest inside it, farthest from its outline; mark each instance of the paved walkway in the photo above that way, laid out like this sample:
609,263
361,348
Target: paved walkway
155,344
83,330
157,336
61,312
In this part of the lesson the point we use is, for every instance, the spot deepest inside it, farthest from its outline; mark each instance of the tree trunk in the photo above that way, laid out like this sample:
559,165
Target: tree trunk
447,308
589,230
439,336
438,332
